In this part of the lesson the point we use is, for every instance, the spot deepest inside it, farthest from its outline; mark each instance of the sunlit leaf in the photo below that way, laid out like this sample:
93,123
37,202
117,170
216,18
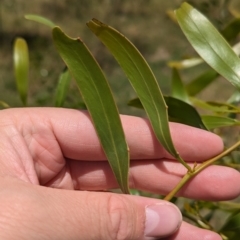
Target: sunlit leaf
99,101
21,67
142,79
62,88
209,43
212,122
186,63
178,111
178,88
215,106
201,82
40,19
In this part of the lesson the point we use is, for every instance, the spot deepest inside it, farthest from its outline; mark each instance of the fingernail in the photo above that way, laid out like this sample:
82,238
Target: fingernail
162,220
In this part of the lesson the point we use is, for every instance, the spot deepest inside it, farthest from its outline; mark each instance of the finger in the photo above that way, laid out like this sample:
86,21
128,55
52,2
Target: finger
82,141
74,133
187,231
35,212
213,183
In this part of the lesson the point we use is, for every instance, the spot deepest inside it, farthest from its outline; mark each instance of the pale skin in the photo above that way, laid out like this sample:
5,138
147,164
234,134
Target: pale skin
52,171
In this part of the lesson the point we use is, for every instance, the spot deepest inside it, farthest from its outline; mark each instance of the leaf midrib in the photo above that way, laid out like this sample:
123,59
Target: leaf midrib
149,93
205,40
105,116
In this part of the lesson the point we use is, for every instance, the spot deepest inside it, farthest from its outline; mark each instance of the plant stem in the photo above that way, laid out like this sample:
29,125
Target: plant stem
184,163
228,205
198,221
198,169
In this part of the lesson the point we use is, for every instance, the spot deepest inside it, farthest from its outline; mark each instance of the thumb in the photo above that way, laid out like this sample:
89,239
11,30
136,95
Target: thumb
45,213
101,215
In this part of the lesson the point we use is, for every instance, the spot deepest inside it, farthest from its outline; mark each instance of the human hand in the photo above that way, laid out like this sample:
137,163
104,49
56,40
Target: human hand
47,153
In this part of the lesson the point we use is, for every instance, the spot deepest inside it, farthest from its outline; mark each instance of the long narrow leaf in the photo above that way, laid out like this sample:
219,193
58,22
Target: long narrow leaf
216,107
99,101
142,80
201,82
178,111
21,67
182,112
218,121
62,88
40,19
135,103
209,43
186,63
178,88
231,226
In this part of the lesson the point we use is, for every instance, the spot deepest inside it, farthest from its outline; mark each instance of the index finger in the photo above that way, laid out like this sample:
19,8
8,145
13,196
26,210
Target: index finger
78,139
74,133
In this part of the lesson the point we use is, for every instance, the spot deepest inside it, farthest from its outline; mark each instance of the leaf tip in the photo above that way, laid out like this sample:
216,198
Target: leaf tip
184,6
79,40
96,26
96,21
26,16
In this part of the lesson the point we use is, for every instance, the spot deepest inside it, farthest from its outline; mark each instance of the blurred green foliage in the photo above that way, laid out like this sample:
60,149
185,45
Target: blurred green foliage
146,23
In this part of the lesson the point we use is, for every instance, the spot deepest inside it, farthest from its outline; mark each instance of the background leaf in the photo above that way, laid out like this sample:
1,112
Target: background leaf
178,111
234,8
142,79
234,98
99,101
216,107
40,19
135,103
236,48
4,105
201,82
232,29
212,122
184,113
206,40
178,88
231,227
186,63
21,67
62,88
